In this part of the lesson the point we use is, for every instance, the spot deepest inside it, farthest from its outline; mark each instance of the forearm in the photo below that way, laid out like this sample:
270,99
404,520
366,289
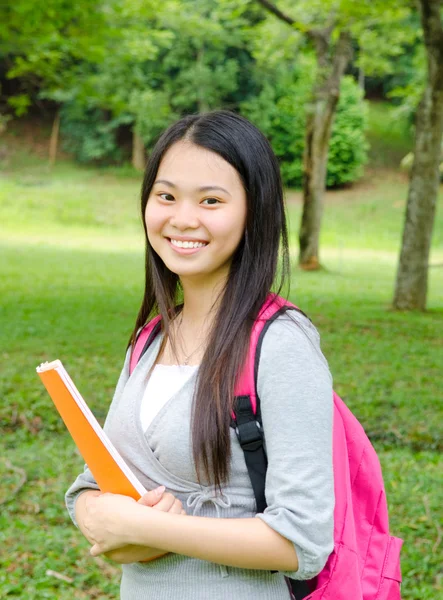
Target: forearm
244,543
131,554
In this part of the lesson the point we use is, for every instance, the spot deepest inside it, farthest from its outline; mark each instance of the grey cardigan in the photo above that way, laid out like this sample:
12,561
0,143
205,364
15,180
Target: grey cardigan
295,389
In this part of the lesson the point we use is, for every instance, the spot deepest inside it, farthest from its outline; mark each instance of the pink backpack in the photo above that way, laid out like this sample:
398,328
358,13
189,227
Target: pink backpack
365,561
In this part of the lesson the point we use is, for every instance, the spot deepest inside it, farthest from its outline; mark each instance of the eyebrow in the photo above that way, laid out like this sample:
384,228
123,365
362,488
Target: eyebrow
204,188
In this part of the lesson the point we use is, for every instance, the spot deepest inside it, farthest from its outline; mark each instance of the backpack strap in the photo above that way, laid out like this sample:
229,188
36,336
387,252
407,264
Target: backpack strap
246,416
145,338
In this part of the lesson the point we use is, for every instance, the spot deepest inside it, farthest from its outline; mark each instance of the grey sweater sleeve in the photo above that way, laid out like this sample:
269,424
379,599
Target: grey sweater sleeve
85,481
295,391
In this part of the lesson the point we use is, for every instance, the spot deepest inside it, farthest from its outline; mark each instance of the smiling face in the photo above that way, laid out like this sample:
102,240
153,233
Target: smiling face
196,213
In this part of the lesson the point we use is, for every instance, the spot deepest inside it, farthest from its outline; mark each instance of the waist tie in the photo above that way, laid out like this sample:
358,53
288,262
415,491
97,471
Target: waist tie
196,500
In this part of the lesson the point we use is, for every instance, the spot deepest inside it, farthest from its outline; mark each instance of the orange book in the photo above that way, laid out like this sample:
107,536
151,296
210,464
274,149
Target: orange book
110,471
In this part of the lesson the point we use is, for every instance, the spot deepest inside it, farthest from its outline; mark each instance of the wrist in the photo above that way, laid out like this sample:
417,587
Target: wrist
133,526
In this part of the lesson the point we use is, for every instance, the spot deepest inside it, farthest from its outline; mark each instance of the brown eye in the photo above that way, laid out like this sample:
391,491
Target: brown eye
211,201
167,197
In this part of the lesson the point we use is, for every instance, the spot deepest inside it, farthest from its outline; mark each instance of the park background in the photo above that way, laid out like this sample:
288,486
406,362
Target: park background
86,88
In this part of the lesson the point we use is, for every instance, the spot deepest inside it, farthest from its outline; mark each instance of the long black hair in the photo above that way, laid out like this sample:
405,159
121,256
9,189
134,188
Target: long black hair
252,274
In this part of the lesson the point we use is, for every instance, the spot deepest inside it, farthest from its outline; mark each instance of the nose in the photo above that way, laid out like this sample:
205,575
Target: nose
184,216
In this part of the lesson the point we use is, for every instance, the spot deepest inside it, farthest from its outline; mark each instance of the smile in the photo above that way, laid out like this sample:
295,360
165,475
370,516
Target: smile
186,247
181,244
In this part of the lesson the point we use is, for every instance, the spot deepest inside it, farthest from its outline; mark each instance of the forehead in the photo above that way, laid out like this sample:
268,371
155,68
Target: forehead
187,164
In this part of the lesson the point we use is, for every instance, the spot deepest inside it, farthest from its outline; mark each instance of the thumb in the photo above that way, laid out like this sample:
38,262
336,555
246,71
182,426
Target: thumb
94,551
151,498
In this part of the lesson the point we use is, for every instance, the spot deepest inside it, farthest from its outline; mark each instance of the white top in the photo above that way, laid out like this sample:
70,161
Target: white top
165,381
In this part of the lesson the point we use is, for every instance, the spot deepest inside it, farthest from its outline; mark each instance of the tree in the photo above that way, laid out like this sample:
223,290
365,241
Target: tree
412,275
158,62
331,65
40,43
340,25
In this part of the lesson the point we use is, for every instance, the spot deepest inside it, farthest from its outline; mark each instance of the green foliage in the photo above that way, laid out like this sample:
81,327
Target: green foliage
408,92
152,113
90,134
348,147
40,44
383,37
279,111
20,103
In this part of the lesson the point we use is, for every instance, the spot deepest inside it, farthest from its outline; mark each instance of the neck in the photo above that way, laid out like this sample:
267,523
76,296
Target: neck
200,301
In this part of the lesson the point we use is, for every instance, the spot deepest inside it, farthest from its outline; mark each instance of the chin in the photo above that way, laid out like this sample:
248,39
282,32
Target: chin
183,271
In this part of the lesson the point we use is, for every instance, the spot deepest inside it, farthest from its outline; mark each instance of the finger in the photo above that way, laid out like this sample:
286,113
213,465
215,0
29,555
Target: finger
165,503
176,508
183,512
153,497
95,550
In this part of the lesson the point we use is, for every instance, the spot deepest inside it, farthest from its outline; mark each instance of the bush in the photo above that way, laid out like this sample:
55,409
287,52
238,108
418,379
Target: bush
348,147
279,111
90,134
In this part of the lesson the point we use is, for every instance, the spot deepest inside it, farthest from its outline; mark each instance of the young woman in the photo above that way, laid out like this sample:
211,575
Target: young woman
213,212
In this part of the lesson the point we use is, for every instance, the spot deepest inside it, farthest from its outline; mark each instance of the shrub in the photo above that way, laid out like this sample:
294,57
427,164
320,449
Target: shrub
279,111
348,147
90,133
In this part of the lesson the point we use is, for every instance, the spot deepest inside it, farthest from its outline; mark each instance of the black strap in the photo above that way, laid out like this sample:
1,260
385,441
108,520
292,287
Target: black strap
300,589
250,435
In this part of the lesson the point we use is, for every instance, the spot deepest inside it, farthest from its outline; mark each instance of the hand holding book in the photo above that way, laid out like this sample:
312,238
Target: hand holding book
157,499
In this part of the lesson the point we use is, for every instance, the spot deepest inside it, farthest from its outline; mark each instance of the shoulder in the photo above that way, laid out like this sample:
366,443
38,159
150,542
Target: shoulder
292,340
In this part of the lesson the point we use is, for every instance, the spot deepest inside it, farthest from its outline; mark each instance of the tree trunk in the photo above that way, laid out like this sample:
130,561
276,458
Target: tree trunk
53,142
318,133
138,152
361,79
412,275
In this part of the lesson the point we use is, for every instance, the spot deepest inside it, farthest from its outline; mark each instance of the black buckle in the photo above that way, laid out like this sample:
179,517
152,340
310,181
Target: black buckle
250,435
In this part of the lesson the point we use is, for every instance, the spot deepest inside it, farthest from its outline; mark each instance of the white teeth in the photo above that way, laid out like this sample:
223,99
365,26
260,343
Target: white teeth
181,244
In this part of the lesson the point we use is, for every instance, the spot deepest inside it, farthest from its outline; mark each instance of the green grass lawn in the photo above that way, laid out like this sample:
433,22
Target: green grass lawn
71,264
